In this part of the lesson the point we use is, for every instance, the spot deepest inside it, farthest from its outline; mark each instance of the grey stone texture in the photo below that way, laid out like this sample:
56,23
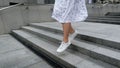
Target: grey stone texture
13,54
39,36
84,47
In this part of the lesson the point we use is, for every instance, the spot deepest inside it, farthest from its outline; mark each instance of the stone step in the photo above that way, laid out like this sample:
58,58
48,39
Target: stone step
96,51
68,59
107,19
82,34
104,17
103,21
14,54
113,14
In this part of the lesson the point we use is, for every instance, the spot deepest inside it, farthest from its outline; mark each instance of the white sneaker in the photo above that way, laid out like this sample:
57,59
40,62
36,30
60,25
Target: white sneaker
72,36
63,46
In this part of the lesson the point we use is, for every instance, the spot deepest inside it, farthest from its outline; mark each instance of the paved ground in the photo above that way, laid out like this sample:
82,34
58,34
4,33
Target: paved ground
107,31
15,55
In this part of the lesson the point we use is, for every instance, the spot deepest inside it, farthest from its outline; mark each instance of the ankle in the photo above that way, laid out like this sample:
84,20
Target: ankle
65,40
71,32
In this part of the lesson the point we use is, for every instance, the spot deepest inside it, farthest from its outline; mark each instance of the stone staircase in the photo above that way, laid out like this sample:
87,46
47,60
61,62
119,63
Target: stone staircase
89,49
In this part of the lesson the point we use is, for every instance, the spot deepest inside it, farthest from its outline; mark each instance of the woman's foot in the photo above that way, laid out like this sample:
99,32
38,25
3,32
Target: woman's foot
63,46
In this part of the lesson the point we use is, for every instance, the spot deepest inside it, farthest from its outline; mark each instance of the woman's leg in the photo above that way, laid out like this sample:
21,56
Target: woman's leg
71,29
66,42
66,30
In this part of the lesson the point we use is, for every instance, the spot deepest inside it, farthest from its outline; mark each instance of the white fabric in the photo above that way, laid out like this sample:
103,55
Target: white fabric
90,1
69,11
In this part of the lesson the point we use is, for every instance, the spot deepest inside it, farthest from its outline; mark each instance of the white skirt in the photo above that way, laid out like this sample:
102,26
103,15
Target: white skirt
69,11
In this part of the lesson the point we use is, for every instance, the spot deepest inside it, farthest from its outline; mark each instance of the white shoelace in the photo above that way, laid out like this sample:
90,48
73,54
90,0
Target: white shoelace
63,43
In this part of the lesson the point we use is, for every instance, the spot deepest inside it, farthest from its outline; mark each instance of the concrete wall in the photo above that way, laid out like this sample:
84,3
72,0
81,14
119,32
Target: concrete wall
15,17
40,13
2,29
10,19
32,1
40,1
6,2
99,10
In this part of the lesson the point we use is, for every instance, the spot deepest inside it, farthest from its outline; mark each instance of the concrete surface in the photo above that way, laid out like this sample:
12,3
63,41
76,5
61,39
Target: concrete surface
13,54
107,54
15,17
109,31
68,58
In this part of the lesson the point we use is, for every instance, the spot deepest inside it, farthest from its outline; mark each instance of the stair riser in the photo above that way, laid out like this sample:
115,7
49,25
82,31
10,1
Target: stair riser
40,50
109,19
42,36
96,55
108,43
48,29
118,23
106,59
103,21
85,51
100,41
116,17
